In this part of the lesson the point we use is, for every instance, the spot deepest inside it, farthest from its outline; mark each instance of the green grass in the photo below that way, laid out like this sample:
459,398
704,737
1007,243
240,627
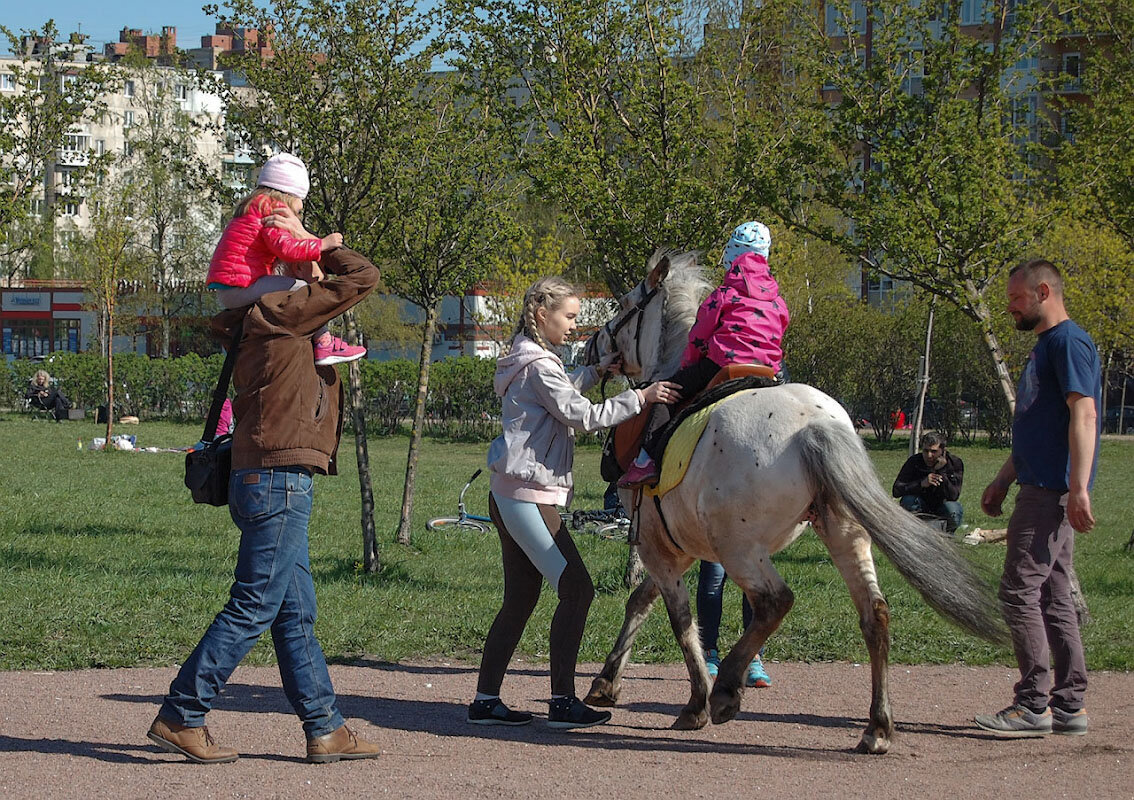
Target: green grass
105,561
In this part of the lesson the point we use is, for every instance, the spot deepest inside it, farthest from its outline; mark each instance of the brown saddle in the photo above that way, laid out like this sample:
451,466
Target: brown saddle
628,434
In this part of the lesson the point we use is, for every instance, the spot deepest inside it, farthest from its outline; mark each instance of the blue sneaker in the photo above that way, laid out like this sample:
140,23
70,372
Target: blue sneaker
757,676
713,662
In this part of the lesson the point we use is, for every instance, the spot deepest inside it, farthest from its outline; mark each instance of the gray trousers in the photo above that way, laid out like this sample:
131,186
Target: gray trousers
1035,590
236,297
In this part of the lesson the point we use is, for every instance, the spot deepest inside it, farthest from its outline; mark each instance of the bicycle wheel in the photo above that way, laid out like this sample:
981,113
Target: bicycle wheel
615,531
454,523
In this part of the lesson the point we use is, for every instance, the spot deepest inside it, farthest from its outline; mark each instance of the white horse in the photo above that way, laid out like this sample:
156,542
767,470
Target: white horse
770,461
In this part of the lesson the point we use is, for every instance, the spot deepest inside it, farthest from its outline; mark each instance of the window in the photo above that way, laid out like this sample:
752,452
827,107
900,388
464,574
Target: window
974,12
71,208
37,207
128,88
1067,125
100,147
181,92
67,333
7,82
840,25
1072,71
68,177
76,142
26,338
127,119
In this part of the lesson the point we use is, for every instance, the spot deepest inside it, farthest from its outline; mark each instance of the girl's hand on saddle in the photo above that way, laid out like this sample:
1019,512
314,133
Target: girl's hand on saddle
662,392
610,364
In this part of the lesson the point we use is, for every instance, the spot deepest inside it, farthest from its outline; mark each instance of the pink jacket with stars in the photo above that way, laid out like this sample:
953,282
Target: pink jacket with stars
743,320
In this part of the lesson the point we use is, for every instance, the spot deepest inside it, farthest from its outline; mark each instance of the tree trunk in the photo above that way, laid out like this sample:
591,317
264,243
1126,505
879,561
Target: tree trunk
109,377
923,382
404,524
980,309
370,559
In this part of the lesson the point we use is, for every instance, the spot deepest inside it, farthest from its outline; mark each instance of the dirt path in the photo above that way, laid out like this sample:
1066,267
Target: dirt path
82,735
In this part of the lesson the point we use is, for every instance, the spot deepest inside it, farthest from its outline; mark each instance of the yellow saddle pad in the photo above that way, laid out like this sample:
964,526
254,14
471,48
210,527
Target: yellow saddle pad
679,450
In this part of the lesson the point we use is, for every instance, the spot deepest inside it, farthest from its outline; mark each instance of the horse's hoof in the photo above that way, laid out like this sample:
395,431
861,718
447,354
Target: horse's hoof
602,694
874,745
689,720
725,706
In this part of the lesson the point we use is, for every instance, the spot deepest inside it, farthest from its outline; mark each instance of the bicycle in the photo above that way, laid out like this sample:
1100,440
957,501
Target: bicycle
610,524
464,521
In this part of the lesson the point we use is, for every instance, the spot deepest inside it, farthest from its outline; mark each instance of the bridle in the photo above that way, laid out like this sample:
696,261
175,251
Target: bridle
613,326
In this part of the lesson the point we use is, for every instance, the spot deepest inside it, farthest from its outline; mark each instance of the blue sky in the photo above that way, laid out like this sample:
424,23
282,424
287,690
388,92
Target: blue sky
103,20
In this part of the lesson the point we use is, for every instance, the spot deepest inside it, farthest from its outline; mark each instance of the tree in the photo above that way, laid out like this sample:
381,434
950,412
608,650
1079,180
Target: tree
340,91
174,188
105,260
453,215
616,112
50,96
1098,162
922,142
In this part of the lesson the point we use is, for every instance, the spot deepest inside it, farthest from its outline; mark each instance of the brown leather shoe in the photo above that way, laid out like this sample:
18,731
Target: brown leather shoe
338,744
196,744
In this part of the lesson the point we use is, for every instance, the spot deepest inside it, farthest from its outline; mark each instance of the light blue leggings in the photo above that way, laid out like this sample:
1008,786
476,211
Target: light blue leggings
526,526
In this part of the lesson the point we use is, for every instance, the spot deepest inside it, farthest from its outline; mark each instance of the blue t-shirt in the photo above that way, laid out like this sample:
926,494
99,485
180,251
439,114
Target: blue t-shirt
1064,360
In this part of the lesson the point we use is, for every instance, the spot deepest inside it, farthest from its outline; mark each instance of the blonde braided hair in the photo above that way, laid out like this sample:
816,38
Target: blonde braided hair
550,293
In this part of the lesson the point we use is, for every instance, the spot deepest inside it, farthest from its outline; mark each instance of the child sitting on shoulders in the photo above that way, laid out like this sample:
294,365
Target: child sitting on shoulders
242,269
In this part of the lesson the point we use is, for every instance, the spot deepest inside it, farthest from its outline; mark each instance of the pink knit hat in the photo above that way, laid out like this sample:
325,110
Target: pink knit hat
286,173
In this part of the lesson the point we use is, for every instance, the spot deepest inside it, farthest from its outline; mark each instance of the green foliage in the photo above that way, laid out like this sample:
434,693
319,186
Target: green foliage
34,118
611,117
105,561
388,387
462,404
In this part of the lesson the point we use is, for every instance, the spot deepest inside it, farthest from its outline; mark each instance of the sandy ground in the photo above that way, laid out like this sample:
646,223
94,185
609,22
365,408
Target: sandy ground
82,735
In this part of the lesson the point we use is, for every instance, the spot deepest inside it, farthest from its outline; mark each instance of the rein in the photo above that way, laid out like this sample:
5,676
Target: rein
622,322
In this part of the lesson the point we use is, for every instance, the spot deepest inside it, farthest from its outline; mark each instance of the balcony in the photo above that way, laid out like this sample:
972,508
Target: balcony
72,158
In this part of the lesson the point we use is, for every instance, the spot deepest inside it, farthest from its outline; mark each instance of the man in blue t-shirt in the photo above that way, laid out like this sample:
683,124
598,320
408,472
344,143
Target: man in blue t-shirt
1055,435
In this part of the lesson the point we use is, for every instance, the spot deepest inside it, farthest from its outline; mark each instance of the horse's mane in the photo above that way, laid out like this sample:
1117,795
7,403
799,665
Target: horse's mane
685,288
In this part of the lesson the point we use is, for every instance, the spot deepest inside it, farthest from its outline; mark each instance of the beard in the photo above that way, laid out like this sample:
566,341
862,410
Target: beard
1028,322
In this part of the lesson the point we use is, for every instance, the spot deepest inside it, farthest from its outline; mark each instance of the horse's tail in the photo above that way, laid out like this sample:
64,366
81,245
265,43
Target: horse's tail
843,475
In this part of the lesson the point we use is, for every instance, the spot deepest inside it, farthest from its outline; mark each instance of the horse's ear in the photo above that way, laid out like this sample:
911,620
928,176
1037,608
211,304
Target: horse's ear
658,273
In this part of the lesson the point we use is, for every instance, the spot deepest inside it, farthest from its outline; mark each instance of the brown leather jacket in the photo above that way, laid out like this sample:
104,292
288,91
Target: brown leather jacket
288,411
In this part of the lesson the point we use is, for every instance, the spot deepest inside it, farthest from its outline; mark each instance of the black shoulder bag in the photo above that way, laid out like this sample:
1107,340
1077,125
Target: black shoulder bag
207,467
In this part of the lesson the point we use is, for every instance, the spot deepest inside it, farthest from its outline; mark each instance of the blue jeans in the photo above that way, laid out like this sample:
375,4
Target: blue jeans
710,594
272,589
949,510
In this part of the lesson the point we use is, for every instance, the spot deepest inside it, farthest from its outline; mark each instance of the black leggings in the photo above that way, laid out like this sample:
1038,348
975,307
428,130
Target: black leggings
692,380
522,586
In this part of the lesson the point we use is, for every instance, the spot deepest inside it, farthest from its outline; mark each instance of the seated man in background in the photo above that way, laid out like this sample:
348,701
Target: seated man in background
929,484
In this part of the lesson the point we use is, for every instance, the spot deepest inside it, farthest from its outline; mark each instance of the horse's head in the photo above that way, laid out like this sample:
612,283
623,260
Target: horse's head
642,331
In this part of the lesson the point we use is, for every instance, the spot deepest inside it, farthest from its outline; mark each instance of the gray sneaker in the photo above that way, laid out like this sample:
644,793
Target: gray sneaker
1069,723
1016,722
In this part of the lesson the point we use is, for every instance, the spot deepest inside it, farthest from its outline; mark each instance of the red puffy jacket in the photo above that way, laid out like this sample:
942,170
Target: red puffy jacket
247,250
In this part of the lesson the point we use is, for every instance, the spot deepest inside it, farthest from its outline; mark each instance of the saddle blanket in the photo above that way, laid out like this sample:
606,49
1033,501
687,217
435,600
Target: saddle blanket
679,450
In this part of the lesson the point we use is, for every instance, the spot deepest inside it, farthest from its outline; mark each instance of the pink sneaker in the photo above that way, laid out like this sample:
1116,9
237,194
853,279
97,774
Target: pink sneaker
639,476
336,351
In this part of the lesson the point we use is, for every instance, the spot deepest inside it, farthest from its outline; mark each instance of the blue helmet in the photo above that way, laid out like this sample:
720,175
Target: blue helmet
751,237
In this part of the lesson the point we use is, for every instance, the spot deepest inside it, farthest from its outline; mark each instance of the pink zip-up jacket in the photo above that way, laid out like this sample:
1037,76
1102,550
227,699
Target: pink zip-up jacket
743,320
247,250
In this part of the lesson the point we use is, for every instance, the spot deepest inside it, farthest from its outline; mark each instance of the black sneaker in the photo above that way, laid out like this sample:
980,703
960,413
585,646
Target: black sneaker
494,712
571,712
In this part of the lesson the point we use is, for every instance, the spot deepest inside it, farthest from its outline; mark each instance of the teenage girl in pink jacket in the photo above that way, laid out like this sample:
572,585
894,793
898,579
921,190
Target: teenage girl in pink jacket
243,267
